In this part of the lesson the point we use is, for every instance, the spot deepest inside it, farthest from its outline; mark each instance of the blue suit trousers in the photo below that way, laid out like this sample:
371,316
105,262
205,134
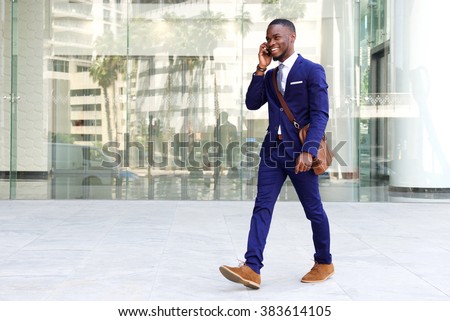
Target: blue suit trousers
274,168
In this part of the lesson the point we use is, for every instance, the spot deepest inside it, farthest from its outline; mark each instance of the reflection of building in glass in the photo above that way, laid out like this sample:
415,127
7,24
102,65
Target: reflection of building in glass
162,72
82,112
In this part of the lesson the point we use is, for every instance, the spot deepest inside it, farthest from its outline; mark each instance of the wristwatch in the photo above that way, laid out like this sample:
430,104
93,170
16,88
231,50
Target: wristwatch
260,69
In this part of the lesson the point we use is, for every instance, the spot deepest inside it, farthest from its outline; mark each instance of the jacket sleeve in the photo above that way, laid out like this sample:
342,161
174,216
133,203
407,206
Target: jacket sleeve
318,109
256,93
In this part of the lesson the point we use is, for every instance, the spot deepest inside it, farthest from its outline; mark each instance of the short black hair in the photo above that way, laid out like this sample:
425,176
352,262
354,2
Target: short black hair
283,22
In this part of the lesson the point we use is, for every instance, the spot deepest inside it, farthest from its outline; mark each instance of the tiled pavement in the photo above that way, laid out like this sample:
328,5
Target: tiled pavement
171,250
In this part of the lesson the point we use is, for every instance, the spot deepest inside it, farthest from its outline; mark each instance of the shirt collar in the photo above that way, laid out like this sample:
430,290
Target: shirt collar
290,61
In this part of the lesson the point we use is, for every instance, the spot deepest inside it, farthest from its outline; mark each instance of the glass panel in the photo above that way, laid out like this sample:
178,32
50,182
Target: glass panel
5,92
189,97
85,76
338,52
10,98
377,102
32,110
14,99
403,157
144,99
185,113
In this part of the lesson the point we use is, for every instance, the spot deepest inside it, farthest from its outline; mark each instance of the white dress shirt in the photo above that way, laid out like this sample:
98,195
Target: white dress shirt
283,72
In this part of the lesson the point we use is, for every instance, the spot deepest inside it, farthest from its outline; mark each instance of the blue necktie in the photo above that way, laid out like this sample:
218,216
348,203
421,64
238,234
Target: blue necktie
280,78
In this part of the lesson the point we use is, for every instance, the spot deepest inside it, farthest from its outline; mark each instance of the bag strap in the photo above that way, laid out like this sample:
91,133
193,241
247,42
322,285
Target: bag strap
282,101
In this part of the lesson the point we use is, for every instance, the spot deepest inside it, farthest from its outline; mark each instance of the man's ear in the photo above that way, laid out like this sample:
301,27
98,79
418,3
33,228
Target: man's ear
293,36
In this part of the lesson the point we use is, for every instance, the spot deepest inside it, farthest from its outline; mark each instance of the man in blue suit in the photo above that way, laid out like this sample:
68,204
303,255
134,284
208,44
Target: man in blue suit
303,85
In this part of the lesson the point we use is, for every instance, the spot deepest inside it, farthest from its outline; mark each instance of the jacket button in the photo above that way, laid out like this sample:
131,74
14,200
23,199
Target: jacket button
281,109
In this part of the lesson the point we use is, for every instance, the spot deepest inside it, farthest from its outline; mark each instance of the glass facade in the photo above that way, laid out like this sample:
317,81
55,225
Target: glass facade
117,99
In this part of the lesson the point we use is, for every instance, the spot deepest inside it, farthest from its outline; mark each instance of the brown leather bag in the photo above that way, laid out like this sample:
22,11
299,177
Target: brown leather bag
324,154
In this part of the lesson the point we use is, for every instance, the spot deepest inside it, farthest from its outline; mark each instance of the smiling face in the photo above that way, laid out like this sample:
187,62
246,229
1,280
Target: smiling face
280,40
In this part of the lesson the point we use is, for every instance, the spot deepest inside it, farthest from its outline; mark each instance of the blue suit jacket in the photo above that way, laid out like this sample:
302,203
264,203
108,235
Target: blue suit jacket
306,94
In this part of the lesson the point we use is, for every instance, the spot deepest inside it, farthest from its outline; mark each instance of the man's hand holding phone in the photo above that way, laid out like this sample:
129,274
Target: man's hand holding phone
264,55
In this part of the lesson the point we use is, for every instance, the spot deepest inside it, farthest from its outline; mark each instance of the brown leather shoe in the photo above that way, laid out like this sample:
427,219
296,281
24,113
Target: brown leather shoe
319,273
242,274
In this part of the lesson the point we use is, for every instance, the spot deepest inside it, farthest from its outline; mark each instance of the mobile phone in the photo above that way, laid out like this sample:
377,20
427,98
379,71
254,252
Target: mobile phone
268,51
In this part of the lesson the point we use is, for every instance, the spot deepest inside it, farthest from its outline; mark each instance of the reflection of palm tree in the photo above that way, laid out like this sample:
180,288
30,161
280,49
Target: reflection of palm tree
198,35
105,71
112,60
141,34
243,23
184,37
185,34
291,9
